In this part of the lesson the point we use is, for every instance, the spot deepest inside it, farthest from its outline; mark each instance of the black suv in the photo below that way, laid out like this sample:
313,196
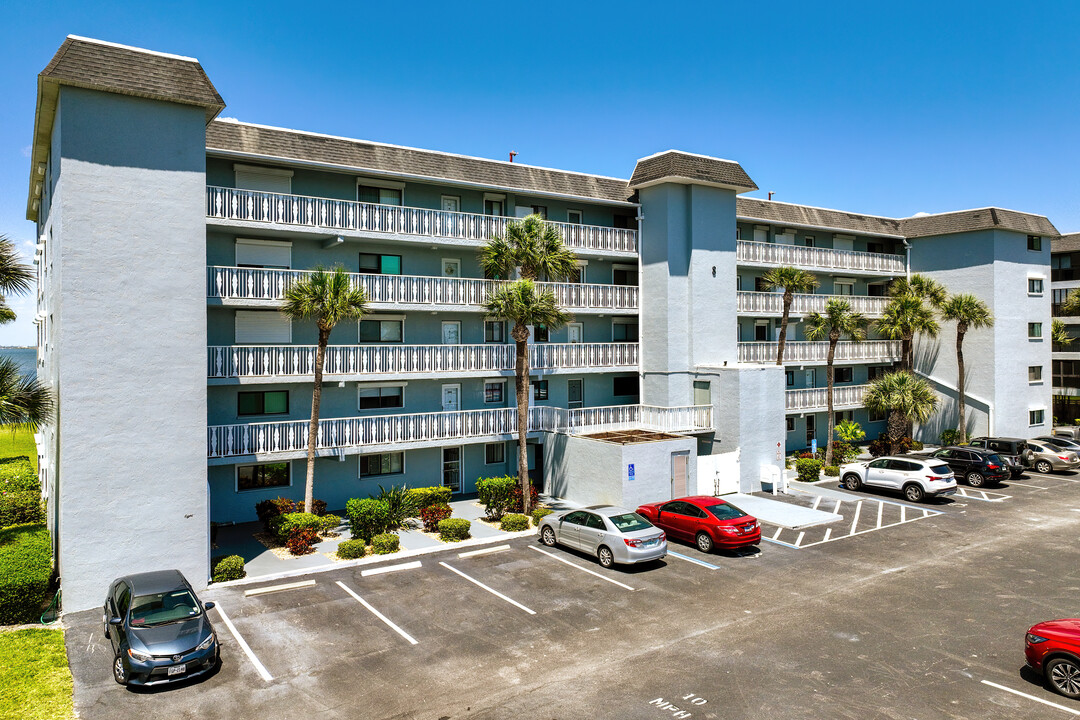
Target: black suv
1013,451
975,466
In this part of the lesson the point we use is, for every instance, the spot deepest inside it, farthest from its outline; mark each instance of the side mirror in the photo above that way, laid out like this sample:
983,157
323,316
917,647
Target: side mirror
208,605
116,622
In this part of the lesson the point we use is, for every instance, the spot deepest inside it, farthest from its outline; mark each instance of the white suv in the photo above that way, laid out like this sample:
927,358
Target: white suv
917,478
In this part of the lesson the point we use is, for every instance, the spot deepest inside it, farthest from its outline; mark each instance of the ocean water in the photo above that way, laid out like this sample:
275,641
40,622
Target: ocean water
24,356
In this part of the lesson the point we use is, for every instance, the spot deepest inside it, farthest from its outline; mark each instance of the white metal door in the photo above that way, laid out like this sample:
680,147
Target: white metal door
575,393
451,398
678,474
574,332
810,375
451,333
451,203
451,267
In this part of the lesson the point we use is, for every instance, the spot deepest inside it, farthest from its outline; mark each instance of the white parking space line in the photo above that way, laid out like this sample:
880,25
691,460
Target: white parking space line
855,522
817,501
484,551
1033,487
391,568
378,614
974,494
798,542
836,507
259,667
279,588
1032,697
828,533
919,513
903,513
781,529
553,556
880,510
496,593
693,560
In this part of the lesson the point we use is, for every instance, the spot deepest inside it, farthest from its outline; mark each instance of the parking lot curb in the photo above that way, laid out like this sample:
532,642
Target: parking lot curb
371,560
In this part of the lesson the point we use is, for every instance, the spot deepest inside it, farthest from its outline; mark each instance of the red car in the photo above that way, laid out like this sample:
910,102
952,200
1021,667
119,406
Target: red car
708,521
1053,649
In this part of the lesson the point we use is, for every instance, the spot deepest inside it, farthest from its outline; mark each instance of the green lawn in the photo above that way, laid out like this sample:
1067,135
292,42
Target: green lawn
35,683
18,442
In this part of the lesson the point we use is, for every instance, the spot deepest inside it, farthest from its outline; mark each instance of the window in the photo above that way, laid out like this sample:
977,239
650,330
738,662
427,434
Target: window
577,275
874,372
382,331
494,453
378,195
789,375
875,289
761,331
624,275
275,402
790,424
375,264
573,217
844,287
263,179
494,392
540,210
624,332
809,239
540,333
258,477
702,392
843,375
540,389
842,415
1034,243
1035,417
1035,373
1035,286
377,398
875,416
621,221
875,247
263,254
493,207
494,331
738,233
382,464
1035,330
625,386
760,286
262,326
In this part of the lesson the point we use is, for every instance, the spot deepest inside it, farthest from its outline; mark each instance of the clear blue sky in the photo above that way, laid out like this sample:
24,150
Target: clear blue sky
885,108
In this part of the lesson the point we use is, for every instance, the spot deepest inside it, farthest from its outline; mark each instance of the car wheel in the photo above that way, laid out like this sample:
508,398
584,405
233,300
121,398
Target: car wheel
704,542
1043,466
852,482
914,493
547,536
975,479
119,673
604,554
1064,676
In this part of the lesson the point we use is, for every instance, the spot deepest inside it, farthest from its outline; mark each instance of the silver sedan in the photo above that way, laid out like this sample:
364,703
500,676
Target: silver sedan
1047,457
612,534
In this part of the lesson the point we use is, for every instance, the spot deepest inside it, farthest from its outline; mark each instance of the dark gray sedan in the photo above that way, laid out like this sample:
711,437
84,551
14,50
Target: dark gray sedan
158,629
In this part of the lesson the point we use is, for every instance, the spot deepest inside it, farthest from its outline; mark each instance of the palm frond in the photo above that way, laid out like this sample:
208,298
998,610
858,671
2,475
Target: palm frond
326,297
790,279
903,392
967,310
840,318
16,278
24,400
519,302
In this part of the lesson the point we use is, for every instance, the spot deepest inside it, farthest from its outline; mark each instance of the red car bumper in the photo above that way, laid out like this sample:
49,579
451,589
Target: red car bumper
732,540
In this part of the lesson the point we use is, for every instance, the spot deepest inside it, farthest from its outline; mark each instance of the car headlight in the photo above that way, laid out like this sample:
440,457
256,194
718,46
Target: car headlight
208,642
141,657
1035,639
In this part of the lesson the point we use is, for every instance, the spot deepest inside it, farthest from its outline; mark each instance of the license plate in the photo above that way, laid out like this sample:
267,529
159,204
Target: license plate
177,670
650,543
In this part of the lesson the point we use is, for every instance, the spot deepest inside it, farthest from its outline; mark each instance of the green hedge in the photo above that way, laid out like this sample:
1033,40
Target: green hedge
454,529
539,514
25,572
351,549
367,517
16,473
421,498
495,495
514,522
385,543
284,525
21,507
228,568
832,471
330,523
809,469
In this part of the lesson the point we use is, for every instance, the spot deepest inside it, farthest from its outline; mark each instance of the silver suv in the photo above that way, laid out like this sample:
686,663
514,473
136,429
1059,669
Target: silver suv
917,478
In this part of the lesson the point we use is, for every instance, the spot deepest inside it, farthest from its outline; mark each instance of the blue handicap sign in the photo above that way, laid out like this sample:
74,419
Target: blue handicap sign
813,446
631,471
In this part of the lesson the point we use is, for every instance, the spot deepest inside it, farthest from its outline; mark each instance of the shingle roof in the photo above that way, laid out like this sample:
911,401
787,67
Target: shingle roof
981,219
676,165
804,215
1070,242
365,156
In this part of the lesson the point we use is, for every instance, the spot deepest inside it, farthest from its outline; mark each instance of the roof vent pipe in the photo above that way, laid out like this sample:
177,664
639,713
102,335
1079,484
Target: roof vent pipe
512,154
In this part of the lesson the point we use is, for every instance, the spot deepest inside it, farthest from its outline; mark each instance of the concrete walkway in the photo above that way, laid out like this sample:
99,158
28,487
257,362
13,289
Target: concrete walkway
784,514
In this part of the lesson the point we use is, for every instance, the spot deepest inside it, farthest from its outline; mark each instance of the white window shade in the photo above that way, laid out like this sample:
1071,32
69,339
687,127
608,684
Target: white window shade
272,180
263,253
255,327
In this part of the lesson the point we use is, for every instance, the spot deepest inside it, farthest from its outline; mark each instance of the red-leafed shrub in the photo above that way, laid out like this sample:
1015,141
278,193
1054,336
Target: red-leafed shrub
267,510
432,514
516,505
302,540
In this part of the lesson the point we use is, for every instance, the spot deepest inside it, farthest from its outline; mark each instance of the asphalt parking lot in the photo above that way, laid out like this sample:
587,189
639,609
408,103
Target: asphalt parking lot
908,620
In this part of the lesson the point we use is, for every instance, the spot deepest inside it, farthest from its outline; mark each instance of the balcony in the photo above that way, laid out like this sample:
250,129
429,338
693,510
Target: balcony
268,363
816,399
772,304
816,353
324,214
256,286
350,436
815,258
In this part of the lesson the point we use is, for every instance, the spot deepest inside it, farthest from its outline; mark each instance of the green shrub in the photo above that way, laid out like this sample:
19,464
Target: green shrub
267,510
950,436
330,523
17,473
454,529
495,494
432,515
399,505
539,513
21,507
286,525
229,568
385,543
916,445
428,496
351,549
367,517
808,469
514,522
25,573
832,471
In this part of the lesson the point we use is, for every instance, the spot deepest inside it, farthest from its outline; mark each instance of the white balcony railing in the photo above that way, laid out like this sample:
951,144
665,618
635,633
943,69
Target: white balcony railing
803,352
246,361
759,253
354,433
769,303
315,212
234,283
844,396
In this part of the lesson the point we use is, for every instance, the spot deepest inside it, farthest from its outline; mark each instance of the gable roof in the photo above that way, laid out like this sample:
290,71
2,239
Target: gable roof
678,166
990,218
782,213
231,137
1069,242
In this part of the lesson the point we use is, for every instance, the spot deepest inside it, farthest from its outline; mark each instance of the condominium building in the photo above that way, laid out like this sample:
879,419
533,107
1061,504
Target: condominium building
1064,280
167,238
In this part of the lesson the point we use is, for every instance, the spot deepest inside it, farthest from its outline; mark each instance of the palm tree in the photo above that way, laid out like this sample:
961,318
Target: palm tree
904,397
15,277
24,400
839,320
922,287
904,316
327,297
1070,306
969,313
532,249
793,281
1059,333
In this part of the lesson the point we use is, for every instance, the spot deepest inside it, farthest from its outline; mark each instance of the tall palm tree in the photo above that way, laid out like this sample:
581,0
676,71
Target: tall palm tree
326,297
904,397
839,320
1059,333
16,278
24,400
792,280
1070,306
969,313
531,249
922,287
904,317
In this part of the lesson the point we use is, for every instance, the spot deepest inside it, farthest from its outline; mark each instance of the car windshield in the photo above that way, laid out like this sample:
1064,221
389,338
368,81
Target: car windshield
629,522
162,608
940,469
725,511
